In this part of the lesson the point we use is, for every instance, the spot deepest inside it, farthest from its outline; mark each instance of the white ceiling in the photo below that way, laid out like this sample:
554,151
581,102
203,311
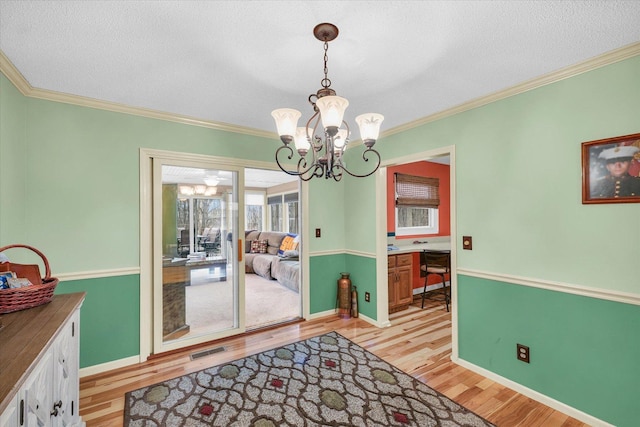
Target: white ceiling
254,178
235,61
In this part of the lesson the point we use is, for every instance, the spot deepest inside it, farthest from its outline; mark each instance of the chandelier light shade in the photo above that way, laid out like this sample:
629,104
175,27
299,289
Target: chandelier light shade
322,142
332,110
369,125
286,120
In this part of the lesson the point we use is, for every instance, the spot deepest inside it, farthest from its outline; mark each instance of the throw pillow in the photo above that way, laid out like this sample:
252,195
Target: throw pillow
289,243
291,255
258,246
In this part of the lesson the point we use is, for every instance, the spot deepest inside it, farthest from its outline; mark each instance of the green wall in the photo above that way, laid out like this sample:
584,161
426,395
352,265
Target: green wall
12,156
518,177
518,193
73,185
109,317
326,212
325,271
363,275
584,351
359,210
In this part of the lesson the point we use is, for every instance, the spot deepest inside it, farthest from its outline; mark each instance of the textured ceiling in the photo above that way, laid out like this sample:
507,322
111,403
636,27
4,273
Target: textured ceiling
235,61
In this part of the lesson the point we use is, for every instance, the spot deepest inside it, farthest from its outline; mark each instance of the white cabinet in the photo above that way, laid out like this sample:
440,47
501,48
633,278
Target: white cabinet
50,393
9,418
65,374
35,399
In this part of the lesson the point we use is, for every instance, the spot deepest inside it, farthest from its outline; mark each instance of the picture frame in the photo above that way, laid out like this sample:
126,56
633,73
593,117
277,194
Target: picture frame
611,170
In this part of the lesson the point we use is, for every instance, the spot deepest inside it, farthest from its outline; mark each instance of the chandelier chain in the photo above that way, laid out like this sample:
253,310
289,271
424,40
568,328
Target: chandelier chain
326,82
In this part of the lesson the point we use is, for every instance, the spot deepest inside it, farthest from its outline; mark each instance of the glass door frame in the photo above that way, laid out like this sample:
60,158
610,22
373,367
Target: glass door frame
147,155
161,345
151,161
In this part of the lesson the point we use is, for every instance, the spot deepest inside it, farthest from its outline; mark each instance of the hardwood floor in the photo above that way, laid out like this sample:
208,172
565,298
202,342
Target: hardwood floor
419,343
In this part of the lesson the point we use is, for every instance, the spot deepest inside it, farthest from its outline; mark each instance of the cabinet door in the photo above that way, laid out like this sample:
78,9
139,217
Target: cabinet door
391,284
404,286
37,394
9,418
65,365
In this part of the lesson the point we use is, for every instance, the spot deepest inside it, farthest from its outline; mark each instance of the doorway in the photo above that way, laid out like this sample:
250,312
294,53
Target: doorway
208,228
381,226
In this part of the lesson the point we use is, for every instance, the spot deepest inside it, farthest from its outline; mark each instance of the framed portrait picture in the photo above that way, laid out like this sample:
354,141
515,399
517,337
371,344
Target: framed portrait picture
611,170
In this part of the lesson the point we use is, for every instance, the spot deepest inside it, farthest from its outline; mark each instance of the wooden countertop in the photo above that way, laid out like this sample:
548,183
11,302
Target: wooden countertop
25,335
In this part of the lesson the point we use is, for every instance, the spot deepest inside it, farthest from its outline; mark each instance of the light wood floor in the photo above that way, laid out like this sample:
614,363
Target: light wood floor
419,343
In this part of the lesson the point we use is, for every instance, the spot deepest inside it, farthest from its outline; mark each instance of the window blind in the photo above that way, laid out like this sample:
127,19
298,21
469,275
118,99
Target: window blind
290,197
274,200
417,191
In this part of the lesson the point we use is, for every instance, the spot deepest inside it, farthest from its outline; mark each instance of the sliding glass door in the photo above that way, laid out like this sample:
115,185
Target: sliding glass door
198,287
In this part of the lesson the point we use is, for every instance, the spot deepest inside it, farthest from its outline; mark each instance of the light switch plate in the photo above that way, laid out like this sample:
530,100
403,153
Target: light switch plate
467,242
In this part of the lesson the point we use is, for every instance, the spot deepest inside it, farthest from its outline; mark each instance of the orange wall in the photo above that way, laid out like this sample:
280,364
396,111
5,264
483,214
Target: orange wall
431,170
417,281
428,169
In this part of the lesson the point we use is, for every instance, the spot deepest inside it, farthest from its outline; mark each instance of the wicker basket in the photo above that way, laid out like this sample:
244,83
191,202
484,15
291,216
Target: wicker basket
41,290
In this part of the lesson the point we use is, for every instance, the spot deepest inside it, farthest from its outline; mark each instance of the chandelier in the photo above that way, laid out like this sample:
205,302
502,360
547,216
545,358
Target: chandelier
321,147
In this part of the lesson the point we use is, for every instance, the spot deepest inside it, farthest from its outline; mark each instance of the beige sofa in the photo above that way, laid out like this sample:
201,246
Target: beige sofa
283,267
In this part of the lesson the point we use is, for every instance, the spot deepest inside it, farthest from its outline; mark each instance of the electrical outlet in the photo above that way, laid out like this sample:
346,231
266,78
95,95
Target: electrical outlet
523,353
367,297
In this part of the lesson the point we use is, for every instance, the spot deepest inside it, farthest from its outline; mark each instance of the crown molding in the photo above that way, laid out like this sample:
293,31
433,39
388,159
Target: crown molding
608,58
11,72
18,80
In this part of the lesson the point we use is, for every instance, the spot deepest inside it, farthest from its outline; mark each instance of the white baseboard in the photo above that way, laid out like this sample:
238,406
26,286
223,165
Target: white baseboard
550,402
374,322
321,314
418,291
104,367
360,315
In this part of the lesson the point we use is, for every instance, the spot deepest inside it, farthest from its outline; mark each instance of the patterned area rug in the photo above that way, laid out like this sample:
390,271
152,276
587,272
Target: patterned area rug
323,381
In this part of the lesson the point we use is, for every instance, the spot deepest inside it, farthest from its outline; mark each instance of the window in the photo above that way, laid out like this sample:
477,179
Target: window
275,213
253,207
283,213
291,201
417,201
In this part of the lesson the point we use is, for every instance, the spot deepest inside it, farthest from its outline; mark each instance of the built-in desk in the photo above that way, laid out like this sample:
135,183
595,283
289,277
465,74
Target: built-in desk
403,267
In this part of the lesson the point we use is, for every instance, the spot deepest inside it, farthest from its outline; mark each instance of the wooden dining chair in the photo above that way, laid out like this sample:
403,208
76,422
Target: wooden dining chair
437,262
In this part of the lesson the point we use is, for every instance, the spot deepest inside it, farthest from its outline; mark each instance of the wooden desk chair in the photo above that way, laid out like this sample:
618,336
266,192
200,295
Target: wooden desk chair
436,262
